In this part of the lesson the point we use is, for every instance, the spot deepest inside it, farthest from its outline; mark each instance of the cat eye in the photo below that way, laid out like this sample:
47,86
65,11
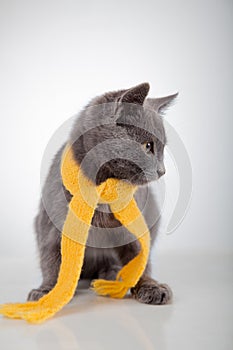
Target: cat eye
149,147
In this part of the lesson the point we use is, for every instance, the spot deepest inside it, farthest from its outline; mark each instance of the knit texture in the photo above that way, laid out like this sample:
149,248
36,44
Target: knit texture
85,198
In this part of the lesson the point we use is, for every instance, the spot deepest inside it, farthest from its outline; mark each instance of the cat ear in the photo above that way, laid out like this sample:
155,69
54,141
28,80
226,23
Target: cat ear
136,94
160,104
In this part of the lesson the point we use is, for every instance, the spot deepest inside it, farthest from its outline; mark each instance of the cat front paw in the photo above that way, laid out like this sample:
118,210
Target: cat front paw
148,291
36,294
109,273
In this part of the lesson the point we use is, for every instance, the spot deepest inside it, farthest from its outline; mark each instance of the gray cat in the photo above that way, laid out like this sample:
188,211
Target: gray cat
121,135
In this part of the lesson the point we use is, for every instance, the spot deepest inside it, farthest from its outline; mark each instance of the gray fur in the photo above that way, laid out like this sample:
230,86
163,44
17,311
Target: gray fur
121,127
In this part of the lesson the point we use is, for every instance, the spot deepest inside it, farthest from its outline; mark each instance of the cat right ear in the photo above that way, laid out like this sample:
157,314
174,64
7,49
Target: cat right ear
136,94
160,104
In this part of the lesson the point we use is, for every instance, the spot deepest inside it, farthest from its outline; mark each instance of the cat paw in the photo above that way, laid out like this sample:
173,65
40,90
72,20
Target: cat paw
149,291
109,273
36,294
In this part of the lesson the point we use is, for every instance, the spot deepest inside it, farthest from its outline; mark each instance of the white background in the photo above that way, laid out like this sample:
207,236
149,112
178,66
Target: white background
56,55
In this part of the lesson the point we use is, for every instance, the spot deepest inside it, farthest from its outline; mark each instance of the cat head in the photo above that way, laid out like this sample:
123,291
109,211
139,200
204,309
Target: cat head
121,135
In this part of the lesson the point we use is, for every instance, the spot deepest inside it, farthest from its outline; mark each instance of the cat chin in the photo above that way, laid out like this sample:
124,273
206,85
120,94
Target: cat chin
143,180
136,179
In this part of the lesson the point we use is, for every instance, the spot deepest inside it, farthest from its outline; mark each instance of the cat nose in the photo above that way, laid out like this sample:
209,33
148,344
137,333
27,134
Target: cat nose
161,172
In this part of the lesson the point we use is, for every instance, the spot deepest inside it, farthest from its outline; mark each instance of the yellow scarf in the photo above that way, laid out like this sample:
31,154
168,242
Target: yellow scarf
85,198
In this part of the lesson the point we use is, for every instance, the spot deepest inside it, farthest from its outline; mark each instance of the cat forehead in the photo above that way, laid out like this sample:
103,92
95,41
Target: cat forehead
144,121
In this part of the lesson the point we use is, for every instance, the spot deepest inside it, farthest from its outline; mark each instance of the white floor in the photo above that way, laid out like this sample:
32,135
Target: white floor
200,317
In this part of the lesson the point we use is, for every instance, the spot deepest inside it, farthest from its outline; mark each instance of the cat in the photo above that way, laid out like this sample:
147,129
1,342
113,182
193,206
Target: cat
119,134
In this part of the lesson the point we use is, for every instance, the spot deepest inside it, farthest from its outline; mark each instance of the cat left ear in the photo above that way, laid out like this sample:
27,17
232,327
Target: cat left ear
160,104
136,94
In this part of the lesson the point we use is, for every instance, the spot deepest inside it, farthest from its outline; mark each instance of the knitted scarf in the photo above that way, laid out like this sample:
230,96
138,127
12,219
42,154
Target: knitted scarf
86,195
